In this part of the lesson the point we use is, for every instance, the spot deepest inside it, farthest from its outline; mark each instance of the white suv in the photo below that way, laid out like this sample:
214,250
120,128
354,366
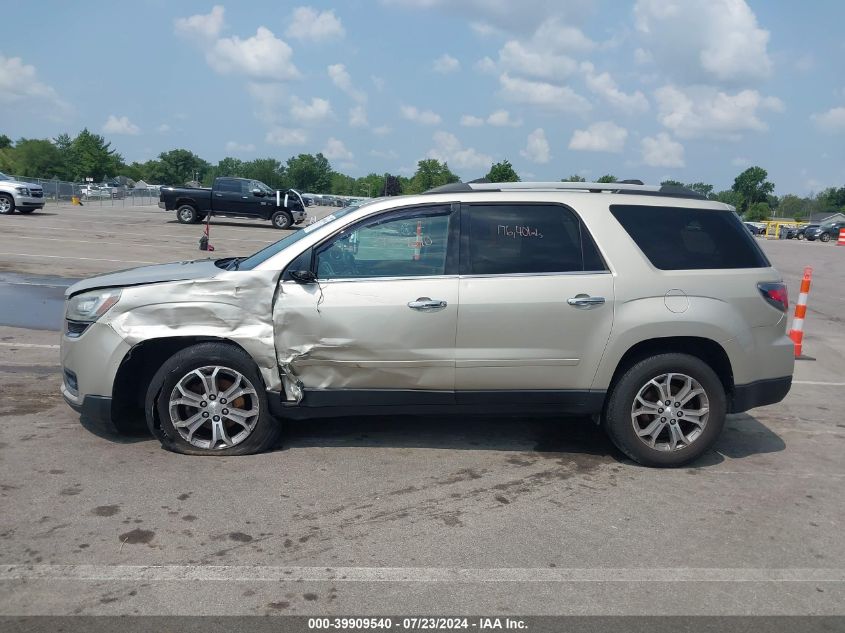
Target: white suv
23,197
649,308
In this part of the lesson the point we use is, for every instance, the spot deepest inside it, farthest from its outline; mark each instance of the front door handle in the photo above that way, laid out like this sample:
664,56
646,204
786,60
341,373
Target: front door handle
581,301
427,303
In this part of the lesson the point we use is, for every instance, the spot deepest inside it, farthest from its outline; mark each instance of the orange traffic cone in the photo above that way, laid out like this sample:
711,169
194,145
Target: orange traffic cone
797,331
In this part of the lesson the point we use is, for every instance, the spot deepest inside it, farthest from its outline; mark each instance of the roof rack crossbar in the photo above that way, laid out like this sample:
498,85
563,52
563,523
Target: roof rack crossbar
627,187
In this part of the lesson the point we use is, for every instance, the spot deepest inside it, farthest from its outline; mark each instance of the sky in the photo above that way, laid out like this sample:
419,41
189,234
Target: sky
690,90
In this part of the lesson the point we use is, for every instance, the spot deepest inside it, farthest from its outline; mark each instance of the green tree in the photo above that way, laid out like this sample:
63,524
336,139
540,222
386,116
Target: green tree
607,178
5,141
37,158
370,185
392,186
502,172
311,173
758,211
89,155
728,196
700,187
431,173
753,187
574,178
672,183
831,200
177,167
270,171
341,184
791,206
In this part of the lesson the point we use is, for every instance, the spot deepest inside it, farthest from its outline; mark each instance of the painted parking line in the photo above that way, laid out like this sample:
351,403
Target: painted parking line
28,345
148,235
259,573
818,383
88,259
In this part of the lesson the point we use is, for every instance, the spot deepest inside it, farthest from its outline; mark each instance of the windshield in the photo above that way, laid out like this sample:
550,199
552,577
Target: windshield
277,247
257,184
4,176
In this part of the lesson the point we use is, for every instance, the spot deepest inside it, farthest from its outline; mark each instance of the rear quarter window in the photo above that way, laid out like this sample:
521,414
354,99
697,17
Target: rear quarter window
679,238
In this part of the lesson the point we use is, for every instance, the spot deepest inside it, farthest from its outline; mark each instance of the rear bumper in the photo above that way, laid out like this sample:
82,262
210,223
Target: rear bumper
759,393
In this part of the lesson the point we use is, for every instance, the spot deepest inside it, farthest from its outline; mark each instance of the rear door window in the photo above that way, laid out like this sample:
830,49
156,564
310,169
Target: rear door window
679,238
503,239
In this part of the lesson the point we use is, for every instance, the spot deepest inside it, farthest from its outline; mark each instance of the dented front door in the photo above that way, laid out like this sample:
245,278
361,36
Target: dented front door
383,313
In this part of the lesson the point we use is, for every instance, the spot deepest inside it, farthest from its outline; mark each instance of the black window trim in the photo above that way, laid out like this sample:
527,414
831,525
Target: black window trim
451,266
583,231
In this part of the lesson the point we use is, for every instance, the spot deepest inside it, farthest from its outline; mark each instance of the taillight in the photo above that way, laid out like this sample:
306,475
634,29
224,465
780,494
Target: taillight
775,294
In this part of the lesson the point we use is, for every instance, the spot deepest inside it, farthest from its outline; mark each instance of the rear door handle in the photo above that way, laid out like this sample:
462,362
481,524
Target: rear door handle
427,303
581,301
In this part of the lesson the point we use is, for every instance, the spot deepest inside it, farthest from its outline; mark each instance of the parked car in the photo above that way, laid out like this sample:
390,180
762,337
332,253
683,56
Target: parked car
23,197
801,233
825,232
517,298
237,198
754,228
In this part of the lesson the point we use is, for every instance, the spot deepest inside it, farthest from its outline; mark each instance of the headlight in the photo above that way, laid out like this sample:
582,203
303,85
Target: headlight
90,306
22,190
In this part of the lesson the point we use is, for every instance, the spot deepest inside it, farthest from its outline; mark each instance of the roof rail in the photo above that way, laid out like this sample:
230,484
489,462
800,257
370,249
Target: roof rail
627,187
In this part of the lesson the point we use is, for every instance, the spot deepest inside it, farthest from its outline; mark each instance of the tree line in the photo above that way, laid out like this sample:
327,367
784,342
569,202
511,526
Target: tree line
90,155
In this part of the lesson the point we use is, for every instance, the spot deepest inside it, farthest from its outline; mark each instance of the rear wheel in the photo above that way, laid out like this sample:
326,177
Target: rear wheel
666,410
800,236
209,399
7,204
282,220
186,214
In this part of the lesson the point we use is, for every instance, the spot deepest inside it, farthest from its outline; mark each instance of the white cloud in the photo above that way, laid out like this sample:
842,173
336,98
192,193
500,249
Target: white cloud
552,34
499,118
286,136
831,121
18,83
388,154
378,82
343,80
717,39
517,58
543,94
423,117
163,128
448,148
120,125
336,150
604,85
381,130
306,23
358,116
537,149
662,151
707,112
446,64
642,56
312,113
486,65
604,136
202,26
262,56
234,146
740,161
469,120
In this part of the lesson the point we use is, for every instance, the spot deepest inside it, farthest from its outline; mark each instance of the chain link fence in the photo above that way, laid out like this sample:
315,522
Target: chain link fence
60,191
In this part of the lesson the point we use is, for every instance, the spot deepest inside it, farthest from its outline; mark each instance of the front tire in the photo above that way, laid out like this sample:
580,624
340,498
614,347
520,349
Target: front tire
646,429
824,237
282,220
186,214
209,399
26,211
800,236
7,204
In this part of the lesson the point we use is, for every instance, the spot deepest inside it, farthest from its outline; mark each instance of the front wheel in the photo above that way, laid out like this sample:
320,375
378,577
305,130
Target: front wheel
282,220
26,211
800,236
209,399
666,410
824,237
186,214
7,205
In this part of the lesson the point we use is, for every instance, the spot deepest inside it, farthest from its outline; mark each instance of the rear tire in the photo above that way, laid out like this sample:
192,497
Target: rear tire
209,399
626,424
7,204
800,236
282,220
187,214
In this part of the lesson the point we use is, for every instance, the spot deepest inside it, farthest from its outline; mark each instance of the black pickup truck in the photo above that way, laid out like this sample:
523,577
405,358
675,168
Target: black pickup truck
235,197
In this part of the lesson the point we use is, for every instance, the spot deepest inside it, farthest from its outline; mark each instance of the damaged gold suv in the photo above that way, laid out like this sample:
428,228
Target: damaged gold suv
649,308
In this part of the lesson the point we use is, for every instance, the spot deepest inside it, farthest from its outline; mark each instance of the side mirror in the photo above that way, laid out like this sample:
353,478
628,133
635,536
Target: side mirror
303,276
257,192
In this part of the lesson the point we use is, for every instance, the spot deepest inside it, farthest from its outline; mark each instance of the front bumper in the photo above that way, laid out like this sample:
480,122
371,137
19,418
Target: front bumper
161,205
29,202
299,217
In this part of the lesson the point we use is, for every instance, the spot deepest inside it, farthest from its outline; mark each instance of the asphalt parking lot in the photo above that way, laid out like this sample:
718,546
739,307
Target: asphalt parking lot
401,515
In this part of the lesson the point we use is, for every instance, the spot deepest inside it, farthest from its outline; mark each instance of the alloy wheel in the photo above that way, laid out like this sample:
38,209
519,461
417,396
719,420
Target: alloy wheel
670,412
214,407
